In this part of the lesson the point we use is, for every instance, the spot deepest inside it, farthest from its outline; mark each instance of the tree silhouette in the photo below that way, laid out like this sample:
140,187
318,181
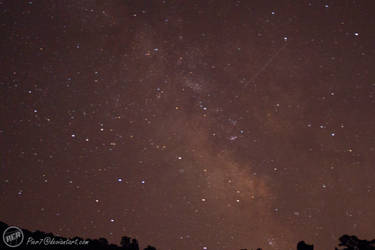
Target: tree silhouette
353,243
150,248
303,246
91,244
346,242
103,241
125,242
134,245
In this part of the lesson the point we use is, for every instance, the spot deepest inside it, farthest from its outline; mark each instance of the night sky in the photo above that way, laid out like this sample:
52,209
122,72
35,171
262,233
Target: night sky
189,124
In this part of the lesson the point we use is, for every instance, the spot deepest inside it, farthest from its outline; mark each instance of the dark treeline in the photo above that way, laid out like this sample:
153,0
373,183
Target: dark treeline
35,240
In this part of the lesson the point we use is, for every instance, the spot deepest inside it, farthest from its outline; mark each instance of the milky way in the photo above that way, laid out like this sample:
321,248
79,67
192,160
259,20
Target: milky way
189,124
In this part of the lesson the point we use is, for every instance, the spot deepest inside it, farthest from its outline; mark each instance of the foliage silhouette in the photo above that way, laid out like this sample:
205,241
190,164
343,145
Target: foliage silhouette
353,243
34,240
303,246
